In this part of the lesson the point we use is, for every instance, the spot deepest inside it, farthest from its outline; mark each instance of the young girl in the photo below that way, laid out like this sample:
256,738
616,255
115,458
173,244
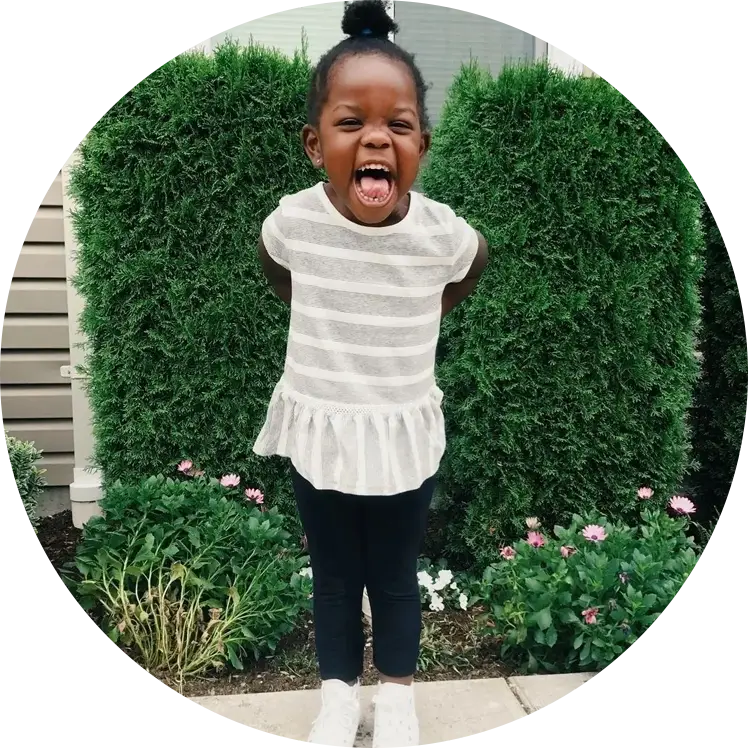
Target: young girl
369,268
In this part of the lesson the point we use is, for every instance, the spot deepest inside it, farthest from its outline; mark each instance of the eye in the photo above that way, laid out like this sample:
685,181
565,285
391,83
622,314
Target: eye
349,123
401,125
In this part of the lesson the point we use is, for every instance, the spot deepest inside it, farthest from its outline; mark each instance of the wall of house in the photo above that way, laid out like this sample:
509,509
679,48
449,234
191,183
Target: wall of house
36,399
283,31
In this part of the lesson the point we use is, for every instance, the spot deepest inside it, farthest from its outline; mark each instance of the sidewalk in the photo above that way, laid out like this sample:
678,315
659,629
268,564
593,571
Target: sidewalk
447,709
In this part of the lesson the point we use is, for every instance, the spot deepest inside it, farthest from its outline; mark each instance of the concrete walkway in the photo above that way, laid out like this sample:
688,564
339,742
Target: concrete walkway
447,709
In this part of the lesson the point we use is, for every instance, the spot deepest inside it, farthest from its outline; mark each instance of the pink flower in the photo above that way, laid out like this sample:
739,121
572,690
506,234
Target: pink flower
230,481
568,550
508,552
535,539
595,533
682,505
185,466
532,523
645,493
590,615
254,494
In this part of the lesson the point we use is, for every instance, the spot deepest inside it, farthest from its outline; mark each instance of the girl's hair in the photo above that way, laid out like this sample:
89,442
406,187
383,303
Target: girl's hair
367,26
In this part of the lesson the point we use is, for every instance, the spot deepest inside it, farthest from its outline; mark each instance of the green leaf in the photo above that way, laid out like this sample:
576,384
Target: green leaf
233,658
534,585
551,636
543,618
568,616
649,601
578,641
194,536
584,655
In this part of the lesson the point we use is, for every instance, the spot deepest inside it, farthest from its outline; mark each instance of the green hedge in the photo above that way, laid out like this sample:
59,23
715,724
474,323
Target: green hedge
569,373
185,338
719,412
30,482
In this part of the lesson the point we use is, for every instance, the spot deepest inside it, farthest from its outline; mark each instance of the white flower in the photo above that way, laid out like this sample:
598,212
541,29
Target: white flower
463,601
306,572
444,577
437,604
425,580
453,586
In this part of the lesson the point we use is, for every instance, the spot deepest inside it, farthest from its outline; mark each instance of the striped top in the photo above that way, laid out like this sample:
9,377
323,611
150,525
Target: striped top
357,409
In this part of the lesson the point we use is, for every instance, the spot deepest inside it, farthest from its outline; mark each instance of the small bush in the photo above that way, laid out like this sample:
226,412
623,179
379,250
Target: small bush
569,372
185,337
188,578
29,477
569,603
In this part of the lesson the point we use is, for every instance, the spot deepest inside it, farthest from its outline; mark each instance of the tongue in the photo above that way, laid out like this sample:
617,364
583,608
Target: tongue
374,187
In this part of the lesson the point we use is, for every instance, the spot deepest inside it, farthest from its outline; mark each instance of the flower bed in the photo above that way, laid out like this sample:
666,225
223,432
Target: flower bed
576,598
190,575
571,599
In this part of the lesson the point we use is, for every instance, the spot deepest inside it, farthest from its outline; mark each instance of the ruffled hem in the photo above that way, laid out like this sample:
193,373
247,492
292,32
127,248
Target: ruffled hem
365,450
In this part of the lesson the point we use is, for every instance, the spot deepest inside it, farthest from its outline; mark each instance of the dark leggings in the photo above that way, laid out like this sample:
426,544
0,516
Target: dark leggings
357,541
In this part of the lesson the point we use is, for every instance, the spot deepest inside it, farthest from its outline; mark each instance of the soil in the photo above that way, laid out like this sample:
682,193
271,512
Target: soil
450,649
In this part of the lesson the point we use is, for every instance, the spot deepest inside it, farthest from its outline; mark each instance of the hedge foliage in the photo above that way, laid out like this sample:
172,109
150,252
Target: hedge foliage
185,338
569,373
719,411
29,477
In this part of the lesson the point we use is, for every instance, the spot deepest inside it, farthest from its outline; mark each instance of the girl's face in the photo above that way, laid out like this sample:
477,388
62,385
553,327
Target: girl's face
369,138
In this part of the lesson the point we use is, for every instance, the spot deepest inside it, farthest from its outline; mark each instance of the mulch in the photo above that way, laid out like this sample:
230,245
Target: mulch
451,651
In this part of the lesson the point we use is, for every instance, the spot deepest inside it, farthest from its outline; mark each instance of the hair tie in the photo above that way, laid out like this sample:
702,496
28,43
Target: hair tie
366,32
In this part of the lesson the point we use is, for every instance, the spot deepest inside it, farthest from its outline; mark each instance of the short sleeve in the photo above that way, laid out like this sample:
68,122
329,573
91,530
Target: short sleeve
273,239
466,243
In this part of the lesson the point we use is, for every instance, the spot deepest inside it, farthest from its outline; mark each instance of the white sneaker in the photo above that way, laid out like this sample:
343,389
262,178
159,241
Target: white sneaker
340,715
395,720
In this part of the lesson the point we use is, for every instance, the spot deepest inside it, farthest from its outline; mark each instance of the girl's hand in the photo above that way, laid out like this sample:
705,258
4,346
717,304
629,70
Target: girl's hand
278,277
455,293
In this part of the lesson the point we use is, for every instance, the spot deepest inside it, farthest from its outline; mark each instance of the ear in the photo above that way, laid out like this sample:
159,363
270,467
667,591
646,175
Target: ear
312,145
425,144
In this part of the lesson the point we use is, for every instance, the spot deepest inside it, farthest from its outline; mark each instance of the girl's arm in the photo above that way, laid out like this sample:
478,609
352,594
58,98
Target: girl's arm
278,277
455,293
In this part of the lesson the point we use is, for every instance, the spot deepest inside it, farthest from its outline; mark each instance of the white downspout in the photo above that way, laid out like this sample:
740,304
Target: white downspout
85,491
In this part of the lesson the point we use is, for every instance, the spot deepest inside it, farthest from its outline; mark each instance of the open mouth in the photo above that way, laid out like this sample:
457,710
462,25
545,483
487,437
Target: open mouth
374,184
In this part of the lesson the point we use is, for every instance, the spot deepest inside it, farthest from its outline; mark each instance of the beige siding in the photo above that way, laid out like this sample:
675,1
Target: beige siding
58,469
36,399
41,261
36,331
37,297
36,367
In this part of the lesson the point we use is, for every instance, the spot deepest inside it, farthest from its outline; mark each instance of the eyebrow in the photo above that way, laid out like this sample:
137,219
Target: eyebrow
356,108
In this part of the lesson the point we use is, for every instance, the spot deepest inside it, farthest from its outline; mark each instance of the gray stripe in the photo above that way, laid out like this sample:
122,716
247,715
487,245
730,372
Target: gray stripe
356,364
387,244
356,303
343,332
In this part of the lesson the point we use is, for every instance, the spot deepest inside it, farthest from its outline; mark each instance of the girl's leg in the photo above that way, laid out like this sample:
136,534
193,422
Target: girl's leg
333,525
394,529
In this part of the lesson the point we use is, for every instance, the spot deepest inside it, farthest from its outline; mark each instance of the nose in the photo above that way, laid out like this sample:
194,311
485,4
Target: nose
376,137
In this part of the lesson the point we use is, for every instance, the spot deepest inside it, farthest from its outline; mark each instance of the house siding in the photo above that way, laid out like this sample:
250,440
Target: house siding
36,399
284,31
